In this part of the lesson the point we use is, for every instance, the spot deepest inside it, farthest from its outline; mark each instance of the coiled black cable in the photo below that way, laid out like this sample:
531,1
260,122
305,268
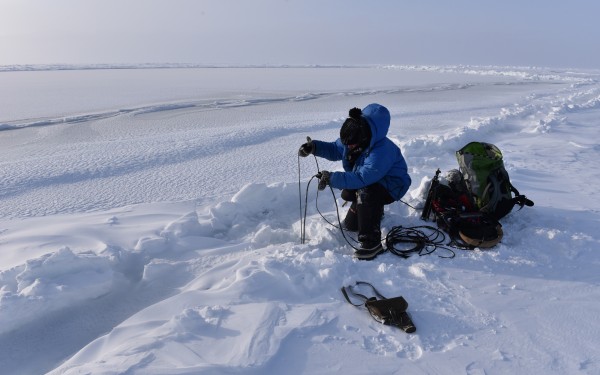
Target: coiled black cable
421,240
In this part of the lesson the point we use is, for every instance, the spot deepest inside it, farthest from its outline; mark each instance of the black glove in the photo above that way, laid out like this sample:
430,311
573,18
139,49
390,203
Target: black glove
323,179
307,148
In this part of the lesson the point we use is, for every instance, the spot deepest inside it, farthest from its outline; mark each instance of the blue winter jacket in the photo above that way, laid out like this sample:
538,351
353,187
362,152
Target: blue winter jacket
381,162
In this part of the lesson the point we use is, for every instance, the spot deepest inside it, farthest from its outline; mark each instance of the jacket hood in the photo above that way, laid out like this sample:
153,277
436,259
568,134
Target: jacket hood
378,118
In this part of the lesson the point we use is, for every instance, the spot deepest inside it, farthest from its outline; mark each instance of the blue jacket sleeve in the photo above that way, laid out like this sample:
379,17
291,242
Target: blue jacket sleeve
333,151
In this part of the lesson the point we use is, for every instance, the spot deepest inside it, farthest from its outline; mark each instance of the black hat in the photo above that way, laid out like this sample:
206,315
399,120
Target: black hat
355,129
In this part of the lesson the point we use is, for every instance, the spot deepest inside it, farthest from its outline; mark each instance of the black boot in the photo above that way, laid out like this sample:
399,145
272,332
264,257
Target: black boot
350,223
369,230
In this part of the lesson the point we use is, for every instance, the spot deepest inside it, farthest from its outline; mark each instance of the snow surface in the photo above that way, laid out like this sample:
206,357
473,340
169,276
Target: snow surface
150,223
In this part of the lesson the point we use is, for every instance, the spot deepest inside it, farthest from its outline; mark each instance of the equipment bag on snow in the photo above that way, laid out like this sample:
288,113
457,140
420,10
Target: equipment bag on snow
470,230
388,311
486,178
454,213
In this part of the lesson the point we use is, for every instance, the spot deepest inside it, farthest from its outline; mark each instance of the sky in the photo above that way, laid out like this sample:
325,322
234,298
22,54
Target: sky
473,32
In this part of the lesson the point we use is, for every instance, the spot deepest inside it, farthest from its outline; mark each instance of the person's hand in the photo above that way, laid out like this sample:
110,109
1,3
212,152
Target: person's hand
307,148
324,180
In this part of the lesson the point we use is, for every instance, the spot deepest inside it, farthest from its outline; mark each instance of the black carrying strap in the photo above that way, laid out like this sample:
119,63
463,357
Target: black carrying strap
388,311
361,296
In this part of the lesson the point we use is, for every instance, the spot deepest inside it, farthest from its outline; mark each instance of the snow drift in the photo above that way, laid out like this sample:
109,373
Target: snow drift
166,239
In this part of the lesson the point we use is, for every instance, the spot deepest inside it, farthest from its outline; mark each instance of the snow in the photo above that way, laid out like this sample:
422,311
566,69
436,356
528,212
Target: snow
150,222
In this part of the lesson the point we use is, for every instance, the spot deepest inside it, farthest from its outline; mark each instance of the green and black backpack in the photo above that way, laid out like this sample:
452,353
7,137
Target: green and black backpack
482,167
473,200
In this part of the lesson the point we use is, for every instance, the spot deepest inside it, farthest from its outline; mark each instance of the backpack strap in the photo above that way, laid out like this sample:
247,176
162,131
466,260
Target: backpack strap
520,199
494,190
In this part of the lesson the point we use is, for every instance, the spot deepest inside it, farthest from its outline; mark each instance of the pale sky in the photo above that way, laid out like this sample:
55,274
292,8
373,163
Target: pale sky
549,33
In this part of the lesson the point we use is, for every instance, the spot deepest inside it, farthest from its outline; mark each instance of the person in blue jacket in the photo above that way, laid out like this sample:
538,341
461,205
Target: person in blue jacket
375,172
